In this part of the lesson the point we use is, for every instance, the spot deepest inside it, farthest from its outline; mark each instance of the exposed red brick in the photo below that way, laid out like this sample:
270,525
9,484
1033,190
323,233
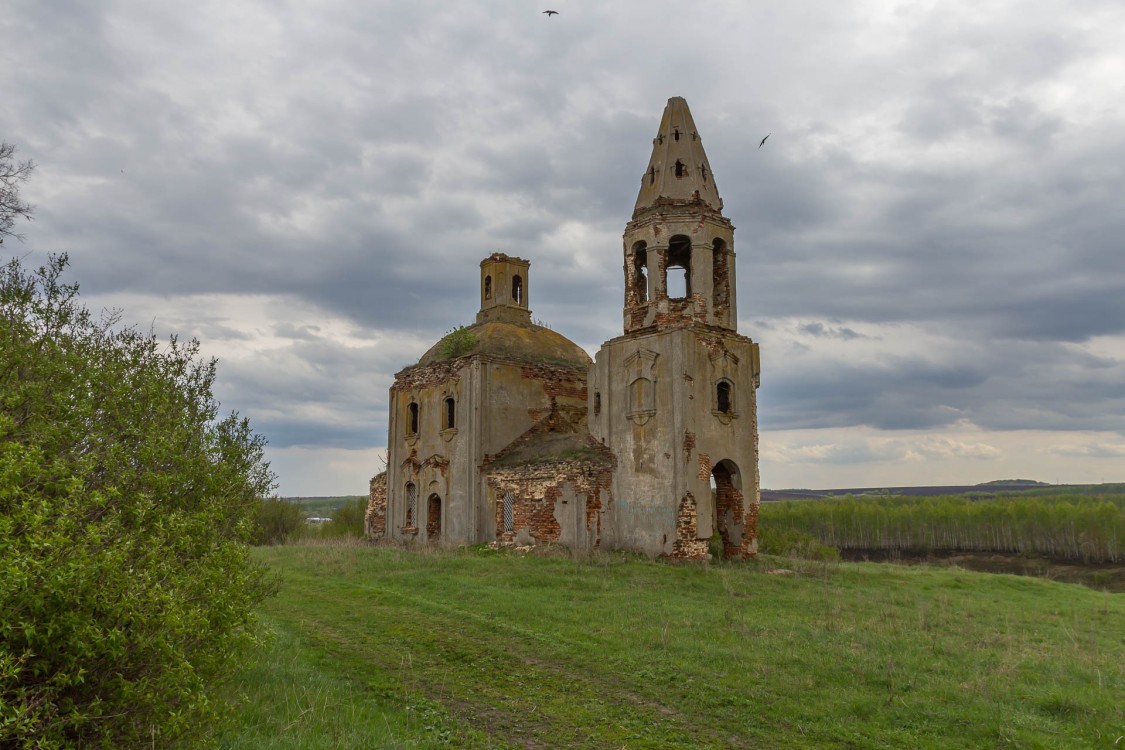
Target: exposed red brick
375,519
687,545
704,466
428,376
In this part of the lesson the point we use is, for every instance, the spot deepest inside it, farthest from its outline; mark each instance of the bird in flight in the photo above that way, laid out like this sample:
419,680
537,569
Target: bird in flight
551,13
764,140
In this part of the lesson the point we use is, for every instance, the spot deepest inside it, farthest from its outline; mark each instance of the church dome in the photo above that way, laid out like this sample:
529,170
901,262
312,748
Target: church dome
509,340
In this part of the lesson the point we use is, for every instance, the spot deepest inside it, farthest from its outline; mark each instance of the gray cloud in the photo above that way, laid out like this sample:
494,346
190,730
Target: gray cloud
955,169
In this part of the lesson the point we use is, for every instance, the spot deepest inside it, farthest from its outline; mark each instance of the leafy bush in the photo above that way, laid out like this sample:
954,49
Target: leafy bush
347,520
792,543
125,504
277,521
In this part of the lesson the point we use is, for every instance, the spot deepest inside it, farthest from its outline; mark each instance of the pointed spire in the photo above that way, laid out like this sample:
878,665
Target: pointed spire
678,167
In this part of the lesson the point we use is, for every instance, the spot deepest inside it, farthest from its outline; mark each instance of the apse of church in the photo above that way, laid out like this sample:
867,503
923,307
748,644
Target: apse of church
505,431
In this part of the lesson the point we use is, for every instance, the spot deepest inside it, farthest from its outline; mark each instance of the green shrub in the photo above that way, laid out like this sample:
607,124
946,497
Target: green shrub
277,521
457,343
715,547
126,588
792,543
347,520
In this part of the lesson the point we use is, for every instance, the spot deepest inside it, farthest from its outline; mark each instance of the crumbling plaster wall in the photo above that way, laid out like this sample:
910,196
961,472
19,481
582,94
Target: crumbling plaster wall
497,400
665,459
553,502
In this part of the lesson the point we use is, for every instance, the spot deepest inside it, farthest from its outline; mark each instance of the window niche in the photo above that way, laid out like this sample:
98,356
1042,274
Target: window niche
488,287
642,400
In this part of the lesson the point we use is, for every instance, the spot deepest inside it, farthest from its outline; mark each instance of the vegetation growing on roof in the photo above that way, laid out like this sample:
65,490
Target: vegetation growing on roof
457,343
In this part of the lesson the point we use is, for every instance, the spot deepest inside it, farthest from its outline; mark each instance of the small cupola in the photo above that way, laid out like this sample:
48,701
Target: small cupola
503,289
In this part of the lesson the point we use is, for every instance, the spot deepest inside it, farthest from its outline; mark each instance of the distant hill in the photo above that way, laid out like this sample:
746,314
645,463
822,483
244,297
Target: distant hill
1002,485
1014,482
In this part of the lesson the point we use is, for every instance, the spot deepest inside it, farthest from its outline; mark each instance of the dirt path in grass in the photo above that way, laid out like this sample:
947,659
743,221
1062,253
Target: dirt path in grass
489,675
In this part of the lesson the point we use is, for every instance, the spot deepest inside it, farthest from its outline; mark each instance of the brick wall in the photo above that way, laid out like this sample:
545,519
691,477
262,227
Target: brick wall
375,519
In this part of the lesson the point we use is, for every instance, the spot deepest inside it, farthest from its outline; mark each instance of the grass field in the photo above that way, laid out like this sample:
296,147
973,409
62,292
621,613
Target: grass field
377,647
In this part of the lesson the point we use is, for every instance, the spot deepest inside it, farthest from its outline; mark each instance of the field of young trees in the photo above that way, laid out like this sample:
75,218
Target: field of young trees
1089,527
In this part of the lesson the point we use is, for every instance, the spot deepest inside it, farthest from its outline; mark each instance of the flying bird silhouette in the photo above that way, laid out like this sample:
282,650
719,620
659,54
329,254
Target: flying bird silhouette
551,13
764,140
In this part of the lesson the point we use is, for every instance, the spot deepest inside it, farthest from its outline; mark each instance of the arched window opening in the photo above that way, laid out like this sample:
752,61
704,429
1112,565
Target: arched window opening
597,403
517,290
509,512
433,517
640,273
411,505
450,413
723,400
413,409
676,135
651,175
703,171
720,276
488,287
677,280
681,170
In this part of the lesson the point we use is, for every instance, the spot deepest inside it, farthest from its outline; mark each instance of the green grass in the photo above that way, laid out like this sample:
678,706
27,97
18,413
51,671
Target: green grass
380,647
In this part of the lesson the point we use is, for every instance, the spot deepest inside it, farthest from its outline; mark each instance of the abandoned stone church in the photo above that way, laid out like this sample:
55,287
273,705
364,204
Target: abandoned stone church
507,431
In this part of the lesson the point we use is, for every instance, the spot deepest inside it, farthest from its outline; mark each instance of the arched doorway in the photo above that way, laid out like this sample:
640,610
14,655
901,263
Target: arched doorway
433,517
729,508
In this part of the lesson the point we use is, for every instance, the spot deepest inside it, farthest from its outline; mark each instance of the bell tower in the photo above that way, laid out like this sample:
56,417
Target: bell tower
679,248
674,397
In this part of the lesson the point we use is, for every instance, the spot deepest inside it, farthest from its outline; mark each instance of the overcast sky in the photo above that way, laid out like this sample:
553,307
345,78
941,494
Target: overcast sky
930,246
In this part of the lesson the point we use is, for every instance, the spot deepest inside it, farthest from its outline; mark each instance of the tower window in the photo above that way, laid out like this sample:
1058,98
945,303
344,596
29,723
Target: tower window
413,413
517,290
723,401
681,170
651,175
597,403
676,135
450,413
488,287
677,276
640,273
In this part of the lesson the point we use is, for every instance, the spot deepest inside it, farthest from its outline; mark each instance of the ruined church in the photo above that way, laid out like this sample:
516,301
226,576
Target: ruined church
506,430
